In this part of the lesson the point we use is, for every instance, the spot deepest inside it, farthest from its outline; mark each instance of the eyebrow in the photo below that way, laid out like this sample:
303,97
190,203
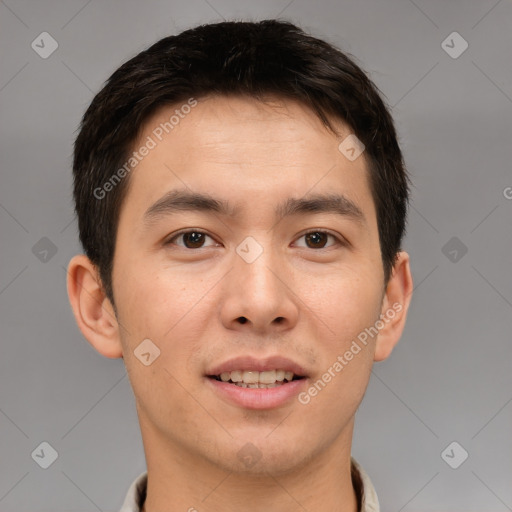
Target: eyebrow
184,200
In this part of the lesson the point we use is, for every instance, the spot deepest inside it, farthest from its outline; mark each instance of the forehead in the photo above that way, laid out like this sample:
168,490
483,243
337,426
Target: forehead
220,125
239,147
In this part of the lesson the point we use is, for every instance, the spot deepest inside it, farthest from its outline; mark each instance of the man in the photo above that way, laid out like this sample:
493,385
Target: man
241,199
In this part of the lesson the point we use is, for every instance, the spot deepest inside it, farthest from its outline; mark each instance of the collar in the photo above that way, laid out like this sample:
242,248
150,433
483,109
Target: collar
361,481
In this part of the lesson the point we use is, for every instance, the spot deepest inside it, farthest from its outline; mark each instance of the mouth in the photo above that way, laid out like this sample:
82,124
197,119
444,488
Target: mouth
257,383
257,380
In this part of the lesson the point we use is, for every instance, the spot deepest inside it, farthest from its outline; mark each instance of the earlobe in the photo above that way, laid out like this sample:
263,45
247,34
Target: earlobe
394,307
92,309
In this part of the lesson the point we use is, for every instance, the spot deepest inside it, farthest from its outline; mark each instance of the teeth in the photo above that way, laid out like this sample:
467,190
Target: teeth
268,377
252,379
258,386
236,376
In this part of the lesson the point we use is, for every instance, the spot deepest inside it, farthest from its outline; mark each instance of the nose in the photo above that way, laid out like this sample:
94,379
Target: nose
258,296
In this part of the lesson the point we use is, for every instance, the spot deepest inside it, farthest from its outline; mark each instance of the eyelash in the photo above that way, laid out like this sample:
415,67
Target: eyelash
339,240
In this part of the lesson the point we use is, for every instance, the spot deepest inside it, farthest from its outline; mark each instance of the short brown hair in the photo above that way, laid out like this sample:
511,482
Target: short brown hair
232,58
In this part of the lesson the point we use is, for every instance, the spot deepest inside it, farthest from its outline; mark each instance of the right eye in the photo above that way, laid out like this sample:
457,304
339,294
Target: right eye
192,239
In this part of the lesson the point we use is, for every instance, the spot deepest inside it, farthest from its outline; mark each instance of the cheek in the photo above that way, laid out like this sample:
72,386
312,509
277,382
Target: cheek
343,303
345,361
156,302
345,309
172,309
168,312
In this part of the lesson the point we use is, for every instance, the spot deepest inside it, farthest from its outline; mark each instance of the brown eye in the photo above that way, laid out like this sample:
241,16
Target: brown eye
318,240
192,239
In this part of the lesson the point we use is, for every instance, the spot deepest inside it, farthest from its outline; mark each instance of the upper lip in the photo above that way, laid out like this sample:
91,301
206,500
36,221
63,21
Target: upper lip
254,364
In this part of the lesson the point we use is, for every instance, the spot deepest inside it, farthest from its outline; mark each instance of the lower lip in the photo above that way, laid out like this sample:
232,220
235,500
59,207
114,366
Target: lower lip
256,398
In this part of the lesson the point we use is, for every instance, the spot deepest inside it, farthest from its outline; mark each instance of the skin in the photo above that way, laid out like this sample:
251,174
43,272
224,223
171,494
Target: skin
189,302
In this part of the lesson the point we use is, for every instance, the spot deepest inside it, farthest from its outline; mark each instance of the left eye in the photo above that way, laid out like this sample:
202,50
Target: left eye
318,239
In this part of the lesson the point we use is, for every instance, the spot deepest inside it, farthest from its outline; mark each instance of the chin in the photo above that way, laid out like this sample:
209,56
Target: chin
261,457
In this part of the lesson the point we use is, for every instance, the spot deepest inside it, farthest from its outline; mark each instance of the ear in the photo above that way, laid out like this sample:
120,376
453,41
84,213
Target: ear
394,307
93,311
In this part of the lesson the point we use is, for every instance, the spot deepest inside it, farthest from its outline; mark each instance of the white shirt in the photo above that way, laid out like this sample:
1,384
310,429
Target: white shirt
137,492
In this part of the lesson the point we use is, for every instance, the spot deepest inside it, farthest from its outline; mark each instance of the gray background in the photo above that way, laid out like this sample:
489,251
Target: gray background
449,378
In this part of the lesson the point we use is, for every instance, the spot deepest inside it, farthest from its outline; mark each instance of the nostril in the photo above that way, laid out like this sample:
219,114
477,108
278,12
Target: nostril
242,319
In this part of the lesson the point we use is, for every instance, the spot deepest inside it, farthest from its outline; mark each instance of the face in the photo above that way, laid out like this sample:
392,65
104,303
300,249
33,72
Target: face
263,274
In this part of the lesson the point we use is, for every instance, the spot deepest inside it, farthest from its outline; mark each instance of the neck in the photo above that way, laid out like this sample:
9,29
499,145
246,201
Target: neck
180,480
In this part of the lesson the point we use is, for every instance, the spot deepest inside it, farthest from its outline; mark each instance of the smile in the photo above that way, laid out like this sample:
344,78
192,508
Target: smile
254,379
